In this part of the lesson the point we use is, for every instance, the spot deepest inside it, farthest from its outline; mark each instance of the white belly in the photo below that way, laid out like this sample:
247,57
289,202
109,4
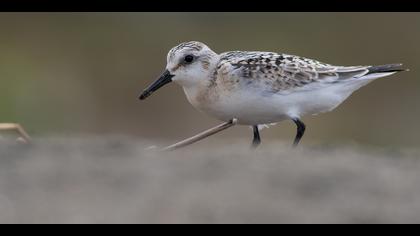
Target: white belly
252,108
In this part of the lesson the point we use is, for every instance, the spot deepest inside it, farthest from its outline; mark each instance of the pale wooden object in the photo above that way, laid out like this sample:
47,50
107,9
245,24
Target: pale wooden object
201,135
24,137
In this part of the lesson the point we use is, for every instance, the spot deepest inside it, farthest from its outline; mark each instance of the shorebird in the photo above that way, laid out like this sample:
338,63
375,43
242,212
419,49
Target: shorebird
257,88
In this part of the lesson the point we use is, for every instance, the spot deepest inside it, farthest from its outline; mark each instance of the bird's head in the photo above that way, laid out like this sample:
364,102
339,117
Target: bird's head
187,64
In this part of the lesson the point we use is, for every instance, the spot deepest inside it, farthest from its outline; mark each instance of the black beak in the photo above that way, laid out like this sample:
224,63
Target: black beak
165,78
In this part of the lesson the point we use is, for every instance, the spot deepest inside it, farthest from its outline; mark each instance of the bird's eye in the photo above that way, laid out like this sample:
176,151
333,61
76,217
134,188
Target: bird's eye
188,58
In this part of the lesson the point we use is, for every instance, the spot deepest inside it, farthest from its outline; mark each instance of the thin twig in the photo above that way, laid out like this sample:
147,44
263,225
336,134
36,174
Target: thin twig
201,135
11,126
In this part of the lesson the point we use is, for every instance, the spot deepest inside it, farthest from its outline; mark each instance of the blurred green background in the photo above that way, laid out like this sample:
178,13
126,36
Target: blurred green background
81,73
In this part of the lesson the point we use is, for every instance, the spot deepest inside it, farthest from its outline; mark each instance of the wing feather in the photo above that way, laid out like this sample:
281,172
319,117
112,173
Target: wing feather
285,73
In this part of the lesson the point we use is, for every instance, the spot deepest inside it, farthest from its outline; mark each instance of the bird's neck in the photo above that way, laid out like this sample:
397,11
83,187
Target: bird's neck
197,94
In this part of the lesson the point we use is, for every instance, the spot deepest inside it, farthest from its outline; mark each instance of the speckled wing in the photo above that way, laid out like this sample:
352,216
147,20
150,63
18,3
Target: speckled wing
283,73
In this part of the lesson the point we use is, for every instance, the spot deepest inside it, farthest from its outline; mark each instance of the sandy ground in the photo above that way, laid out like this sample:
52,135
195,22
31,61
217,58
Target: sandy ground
115,180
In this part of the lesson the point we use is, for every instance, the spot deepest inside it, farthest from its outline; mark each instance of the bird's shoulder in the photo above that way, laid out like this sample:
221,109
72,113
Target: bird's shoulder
268,62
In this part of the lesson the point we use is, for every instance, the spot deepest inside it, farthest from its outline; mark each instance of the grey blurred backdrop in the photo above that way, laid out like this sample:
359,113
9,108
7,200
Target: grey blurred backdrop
81,73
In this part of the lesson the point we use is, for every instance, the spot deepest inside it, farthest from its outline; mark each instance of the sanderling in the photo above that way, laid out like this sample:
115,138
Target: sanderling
260,88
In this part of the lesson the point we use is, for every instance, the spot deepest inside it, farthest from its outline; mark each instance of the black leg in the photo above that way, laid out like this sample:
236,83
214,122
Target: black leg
257,140
300,131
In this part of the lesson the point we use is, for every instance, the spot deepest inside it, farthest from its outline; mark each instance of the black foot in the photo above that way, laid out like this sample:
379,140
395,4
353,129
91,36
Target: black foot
257,140
300,131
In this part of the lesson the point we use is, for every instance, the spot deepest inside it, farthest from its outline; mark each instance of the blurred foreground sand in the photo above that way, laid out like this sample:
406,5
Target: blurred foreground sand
114,180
